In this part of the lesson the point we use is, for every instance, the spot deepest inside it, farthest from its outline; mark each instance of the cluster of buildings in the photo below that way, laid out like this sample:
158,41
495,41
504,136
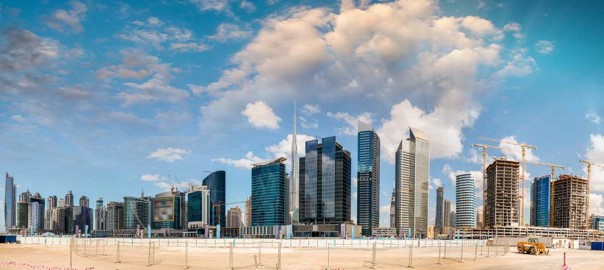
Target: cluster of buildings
314,200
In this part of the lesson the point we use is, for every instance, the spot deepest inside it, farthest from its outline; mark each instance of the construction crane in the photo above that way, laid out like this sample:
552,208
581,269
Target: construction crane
523,146
484,177
220,203
589,164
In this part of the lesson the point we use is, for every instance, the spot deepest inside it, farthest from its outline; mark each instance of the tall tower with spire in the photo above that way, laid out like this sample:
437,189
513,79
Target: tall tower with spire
294,185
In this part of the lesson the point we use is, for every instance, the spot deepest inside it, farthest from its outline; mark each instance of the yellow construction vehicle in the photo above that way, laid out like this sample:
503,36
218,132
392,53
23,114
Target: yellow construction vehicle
532,247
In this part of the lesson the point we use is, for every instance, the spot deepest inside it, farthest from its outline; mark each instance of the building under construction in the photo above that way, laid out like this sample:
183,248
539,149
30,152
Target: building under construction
569,202
502,194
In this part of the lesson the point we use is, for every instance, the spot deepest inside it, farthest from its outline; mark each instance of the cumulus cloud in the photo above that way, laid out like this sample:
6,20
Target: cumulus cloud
351,121
515,29
243,163
72,18
309,123
310,109
476,176
228,31
544,46
205,5
247,6
159,35
150,177
510,148
401,55
595,153
260,115
596,204
169,154
24,50
593,117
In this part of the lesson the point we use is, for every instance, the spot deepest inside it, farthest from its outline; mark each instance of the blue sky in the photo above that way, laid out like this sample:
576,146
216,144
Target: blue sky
108,98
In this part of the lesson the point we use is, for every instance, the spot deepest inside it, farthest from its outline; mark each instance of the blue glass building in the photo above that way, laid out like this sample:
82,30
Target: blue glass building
167,210
198,207
368,177
216,183
270,193
540,201
325,183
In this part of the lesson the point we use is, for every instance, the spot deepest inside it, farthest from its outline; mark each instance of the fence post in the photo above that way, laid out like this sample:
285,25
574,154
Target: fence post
475,251
439,248
149,255
373,255
328,266
411,256
260,254
461,250
488,249
481,247
445,253
118,252
231,256
71,253
279,258
496,247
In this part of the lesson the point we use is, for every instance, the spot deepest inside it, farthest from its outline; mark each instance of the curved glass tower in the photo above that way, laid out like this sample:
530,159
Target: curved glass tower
216,183
464,201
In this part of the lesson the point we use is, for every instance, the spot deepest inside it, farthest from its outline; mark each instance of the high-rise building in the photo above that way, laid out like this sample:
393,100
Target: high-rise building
63,218
10,203
540,201
82,219
137,212
502,194
294,200
447,216
569,202
411,181
269,193
248,212
168,210
198,208
453,219
216,183
61,203
234,217
84,201
439,219
36,212
100,217
465,208
325,183
596,222
115,216
51,203
368,177
69,199
479,220
23,210
393,209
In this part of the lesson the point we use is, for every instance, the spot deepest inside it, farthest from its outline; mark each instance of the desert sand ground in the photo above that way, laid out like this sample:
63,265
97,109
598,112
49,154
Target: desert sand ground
33,256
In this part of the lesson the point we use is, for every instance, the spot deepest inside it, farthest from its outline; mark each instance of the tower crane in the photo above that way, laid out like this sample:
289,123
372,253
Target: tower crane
523,146
484,148
553,166
589,164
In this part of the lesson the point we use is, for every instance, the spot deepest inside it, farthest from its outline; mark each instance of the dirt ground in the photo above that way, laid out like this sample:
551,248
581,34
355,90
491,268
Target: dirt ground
20,256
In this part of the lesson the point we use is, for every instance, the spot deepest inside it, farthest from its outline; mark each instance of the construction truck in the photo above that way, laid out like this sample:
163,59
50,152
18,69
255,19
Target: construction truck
532,247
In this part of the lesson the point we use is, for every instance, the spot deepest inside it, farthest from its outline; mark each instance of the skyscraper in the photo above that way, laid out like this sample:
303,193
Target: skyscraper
439,219
411,181
136,212
36,212
393,209
269,193
198,209
234,217
51,203
69,199
10,203
465,207
502,194
23,210
216,183
368,177
84,201
569,202
100,219
540,201
325,183
248,212
168,210
115,216
294,211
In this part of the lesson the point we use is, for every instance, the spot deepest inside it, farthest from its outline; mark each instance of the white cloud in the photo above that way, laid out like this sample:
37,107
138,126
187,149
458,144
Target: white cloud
520,64
351,121
260,115
596,204
544,46
228,31
482,5
160,35
247,6
474,157
283,148
310,109
309,123
72,18
595,153
166,183
243,163
151,177
385,215
514,28
510,148
363,57
436,182
169,154
593,117
205,5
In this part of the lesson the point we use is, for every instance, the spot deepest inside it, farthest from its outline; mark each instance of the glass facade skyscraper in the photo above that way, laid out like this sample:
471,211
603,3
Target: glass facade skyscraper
439,219
325,183
465,207
216,183
411,183
540,201
10,203
198,207
136,212
368,177
168,210
270,190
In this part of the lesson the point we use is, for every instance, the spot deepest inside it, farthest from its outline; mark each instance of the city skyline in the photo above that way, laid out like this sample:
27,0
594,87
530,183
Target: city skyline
143,96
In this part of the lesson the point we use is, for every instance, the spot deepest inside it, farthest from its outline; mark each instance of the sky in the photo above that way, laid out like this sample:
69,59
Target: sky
112,98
